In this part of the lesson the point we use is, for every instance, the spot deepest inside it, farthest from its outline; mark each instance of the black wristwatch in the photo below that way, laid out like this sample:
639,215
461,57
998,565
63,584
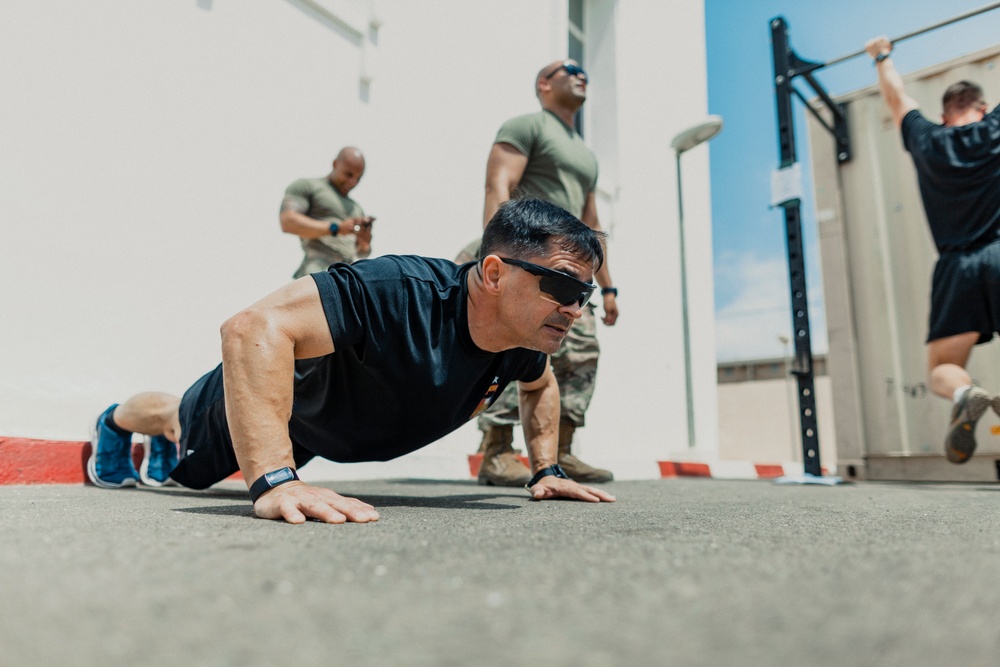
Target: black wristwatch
334,228
609,290
269,480
554,469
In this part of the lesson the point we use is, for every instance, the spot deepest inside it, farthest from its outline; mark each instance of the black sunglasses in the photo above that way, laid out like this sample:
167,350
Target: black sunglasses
571,70
562,287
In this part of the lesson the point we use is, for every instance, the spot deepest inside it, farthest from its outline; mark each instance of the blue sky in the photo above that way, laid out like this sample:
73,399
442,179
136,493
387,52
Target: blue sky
751,275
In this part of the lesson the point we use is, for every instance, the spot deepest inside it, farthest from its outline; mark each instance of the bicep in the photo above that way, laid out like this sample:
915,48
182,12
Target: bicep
296,311
545,379
905,105
506,164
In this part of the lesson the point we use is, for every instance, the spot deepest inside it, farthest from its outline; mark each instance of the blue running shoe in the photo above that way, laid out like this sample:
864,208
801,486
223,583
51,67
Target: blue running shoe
159,461
110,464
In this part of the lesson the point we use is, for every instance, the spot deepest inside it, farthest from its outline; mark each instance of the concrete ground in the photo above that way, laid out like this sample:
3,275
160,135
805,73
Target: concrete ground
678,572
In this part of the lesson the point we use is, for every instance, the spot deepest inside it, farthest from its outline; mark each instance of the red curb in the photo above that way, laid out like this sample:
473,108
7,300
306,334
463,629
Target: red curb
669,469
679,469
27,461
31,461
768,470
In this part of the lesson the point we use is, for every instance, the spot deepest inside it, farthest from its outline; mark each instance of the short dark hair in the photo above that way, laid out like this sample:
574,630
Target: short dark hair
527,227
961,96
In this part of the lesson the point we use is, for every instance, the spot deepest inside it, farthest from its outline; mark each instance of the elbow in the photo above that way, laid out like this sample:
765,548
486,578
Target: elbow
498,184
286,224
242,329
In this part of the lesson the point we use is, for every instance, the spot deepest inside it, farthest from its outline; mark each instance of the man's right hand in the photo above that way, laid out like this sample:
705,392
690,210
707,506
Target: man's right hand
878,45
295,502
357,225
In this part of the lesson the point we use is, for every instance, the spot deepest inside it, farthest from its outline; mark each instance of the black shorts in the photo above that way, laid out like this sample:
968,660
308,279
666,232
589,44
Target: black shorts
206,447
965,294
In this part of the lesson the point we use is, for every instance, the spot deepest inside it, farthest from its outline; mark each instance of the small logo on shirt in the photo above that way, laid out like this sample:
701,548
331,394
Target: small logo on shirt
488,399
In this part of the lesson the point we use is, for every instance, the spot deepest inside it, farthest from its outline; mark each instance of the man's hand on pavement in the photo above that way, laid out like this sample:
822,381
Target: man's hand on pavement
548,488
297,501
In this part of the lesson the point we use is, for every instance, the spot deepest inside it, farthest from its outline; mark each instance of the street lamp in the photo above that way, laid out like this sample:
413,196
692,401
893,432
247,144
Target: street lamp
683,142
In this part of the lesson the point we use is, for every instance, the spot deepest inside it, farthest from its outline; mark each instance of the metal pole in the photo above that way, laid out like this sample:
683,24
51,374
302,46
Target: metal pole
940,24
803,366
684,309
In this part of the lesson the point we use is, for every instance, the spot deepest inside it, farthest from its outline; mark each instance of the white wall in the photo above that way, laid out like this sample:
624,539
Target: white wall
144,149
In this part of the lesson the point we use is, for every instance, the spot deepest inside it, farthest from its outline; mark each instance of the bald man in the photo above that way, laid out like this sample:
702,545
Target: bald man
542,155
331,226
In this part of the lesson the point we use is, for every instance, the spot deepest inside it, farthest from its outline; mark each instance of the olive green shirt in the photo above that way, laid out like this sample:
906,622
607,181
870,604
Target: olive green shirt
561,169
318,199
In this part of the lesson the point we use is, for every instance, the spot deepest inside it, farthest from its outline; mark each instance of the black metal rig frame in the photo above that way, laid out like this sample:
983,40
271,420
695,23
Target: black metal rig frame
787,67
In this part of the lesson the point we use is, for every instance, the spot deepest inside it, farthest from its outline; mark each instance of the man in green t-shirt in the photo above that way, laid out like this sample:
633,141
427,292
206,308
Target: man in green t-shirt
332,226
542,155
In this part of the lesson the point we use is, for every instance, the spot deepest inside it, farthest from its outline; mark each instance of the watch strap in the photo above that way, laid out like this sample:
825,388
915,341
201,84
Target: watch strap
609,290
554,469
334,228
269,480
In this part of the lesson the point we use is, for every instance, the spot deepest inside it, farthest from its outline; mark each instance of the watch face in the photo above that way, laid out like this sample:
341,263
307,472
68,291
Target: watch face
279,476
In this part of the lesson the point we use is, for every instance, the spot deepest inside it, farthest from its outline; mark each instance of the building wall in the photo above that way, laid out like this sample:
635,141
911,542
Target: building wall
146,146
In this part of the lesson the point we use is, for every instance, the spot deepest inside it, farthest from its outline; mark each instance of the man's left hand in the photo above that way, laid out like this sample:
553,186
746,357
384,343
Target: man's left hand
548,488
610,310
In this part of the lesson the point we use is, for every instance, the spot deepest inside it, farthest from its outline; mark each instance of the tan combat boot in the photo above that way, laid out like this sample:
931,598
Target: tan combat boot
576,469
500,466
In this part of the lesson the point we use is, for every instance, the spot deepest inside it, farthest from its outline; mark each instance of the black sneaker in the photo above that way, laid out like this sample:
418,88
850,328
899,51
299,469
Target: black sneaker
961,440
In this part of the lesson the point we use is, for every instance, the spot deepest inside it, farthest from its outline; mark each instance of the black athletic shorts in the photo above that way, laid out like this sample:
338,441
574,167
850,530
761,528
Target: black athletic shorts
207,454
965,294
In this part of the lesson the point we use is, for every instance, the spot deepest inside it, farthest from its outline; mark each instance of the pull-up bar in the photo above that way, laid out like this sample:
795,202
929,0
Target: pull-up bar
939,24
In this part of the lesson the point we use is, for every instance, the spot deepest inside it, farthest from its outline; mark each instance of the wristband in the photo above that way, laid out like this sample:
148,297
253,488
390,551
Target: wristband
609,290
334,228
882,56
269,480
554,469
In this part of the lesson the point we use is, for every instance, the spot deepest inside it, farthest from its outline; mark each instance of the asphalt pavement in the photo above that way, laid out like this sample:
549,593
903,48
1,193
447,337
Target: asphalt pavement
677,572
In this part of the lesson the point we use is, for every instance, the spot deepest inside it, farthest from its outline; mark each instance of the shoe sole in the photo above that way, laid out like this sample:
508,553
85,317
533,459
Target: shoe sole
960,444
92,466
147,447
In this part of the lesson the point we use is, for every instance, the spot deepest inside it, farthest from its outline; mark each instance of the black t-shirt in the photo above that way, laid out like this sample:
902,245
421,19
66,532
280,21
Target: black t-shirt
958,170
405,371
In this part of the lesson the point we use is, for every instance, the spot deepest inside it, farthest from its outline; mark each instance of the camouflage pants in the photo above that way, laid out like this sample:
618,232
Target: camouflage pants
575,368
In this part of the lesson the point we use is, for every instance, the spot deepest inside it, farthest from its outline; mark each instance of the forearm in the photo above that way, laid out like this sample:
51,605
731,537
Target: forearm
258,368
891,86
589,218
890,83
539,410
301,225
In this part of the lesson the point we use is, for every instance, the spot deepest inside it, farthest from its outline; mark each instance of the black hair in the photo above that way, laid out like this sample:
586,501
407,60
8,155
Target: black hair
962,95
528,227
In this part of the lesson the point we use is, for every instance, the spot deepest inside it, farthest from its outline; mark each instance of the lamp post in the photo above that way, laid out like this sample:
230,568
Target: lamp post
683,142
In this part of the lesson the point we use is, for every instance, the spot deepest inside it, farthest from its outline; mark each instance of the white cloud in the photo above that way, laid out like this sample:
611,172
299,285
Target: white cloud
757,311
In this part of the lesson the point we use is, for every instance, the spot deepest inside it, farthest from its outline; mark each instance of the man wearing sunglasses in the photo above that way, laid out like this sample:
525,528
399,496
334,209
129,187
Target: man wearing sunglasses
541,154
373,360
